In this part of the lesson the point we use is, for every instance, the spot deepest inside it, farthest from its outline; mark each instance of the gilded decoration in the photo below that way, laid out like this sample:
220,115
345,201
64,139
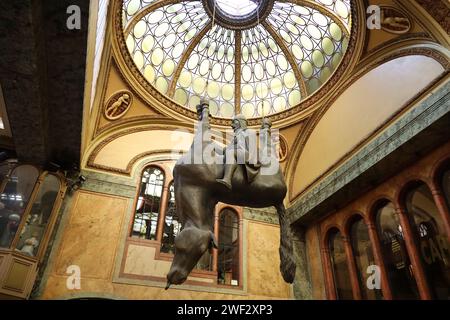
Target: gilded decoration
282,148
118,104
394,21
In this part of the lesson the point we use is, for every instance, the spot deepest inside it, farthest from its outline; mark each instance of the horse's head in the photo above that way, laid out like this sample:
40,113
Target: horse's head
190,245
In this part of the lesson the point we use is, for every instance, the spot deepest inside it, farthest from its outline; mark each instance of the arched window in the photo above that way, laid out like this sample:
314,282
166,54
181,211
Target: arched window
148,204
228,255
431,239
363,254
339,266
156,219
13,201
172,224
395,256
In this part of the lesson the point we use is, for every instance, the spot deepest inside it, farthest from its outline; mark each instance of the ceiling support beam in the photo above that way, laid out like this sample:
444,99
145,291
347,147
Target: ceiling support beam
237,72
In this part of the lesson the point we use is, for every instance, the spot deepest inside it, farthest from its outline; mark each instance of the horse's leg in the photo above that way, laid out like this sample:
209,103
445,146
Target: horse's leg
287,264
196,237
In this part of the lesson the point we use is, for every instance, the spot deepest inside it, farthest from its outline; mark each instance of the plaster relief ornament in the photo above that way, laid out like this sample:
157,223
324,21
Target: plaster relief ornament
394,21
282,147
118,104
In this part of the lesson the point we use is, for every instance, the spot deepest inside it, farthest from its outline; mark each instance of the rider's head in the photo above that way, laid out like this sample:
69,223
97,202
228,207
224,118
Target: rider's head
239,121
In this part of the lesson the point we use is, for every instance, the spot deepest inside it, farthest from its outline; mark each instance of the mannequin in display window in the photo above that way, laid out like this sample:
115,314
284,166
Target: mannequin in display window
30,245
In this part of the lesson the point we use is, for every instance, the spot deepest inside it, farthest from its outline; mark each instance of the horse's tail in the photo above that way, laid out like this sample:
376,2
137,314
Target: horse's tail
287,264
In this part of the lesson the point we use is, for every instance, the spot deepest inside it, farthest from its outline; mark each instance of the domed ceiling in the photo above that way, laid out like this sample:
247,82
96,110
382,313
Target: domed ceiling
258,57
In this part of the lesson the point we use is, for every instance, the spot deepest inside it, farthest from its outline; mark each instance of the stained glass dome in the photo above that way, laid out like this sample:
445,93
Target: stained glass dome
258,57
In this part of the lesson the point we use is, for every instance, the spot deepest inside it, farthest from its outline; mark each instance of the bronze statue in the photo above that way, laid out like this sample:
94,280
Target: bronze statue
239,150
198,190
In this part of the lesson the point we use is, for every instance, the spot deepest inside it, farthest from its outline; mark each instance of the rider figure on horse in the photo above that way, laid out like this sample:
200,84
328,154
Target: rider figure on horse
241,150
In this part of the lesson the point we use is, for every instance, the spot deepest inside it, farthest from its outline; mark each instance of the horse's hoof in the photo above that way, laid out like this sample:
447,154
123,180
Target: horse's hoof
167,285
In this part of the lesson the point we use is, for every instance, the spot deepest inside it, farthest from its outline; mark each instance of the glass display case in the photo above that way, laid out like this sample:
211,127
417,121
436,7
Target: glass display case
29,203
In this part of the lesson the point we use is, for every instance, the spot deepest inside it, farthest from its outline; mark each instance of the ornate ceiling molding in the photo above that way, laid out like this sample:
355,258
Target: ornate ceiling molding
127,171
90,163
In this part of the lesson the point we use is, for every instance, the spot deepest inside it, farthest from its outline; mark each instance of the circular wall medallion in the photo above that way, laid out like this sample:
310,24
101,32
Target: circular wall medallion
118,104
282,148
394,20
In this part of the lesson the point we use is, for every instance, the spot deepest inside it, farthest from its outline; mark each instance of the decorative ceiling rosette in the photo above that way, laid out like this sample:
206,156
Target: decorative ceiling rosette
257,57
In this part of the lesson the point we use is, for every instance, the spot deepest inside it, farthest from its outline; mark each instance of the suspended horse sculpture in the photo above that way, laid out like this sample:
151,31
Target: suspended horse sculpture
200,184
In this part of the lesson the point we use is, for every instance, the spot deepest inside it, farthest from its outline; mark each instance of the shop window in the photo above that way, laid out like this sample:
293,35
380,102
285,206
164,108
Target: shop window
339,264
148,204
363,254
393,249
29,205
228,255
432,241
13,201
38,219
205,263
172,224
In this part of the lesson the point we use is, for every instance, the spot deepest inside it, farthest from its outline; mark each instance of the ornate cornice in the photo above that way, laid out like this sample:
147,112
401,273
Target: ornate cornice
397,40
266,215
109,139
132,162
156,118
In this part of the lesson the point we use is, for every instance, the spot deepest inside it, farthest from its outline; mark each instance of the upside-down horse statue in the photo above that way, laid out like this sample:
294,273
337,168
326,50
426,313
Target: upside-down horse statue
201,183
